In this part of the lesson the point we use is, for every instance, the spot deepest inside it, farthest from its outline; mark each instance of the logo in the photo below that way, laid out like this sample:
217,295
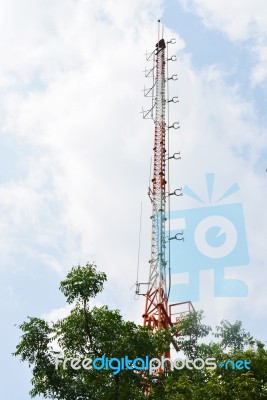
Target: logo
239,364
210,237
151,365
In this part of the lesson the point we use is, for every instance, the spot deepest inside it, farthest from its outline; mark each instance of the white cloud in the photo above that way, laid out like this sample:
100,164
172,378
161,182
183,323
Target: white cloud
88,150
72,83
241,21
221,133
58,313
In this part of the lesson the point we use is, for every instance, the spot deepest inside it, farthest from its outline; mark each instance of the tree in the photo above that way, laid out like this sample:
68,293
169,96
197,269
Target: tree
233,350
87,332
97,332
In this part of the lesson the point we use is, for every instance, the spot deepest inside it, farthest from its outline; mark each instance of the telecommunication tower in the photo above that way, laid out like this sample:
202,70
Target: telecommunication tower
158,313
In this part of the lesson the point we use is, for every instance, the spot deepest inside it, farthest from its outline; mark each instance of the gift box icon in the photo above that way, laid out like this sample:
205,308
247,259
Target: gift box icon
208,237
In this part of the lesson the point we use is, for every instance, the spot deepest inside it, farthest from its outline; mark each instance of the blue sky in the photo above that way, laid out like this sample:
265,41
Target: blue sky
212,46
75,153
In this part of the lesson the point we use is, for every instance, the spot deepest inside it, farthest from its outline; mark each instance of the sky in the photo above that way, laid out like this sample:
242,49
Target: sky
75,151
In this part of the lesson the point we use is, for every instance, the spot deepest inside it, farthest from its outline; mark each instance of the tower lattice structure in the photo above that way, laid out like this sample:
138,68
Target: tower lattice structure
156,307
158,313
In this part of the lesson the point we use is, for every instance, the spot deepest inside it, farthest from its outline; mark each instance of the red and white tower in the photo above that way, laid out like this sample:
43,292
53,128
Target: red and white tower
157,312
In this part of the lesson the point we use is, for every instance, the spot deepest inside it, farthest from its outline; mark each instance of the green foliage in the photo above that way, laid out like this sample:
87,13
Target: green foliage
232,335
97,331
83,283
191,329
87,333
223,384
179,386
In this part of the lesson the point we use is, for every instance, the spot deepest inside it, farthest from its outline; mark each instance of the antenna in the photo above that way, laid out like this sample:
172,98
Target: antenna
158,314
138,255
